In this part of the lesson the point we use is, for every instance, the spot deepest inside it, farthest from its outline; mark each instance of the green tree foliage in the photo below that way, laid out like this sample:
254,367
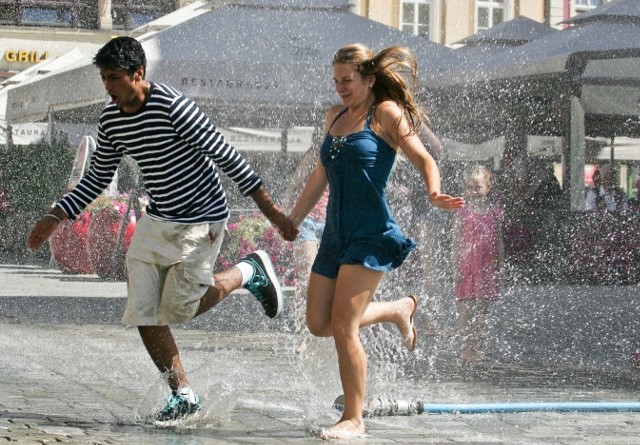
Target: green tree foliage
34,177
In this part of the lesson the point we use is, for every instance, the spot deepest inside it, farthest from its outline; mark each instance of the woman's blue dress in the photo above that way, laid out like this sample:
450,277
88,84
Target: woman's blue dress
359,228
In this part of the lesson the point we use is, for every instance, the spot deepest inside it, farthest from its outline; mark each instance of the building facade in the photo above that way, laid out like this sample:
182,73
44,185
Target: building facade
34,30
449,21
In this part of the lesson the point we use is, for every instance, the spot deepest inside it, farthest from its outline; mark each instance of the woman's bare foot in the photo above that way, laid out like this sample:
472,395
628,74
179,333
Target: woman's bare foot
406,325
343,430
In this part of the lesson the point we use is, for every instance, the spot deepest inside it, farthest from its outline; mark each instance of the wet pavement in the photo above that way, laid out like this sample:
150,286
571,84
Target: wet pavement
70,373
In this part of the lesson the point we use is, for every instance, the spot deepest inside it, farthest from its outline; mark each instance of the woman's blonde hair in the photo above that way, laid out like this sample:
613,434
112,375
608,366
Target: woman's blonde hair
390,67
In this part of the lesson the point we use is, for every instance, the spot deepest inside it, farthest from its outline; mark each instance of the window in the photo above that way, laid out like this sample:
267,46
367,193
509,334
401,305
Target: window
585,5
52,13
46,16
416,17
489,13
130,14
126,14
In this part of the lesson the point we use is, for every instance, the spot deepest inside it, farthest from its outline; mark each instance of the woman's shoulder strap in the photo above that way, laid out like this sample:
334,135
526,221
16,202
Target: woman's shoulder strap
340,113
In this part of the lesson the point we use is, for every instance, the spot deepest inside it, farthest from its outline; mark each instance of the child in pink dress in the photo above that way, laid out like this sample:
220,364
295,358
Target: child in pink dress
477,261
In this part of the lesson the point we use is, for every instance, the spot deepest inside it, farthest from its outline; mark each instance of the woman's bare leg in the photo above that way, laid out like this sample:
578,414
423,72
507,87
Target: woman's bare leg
320,303
355,287
339,308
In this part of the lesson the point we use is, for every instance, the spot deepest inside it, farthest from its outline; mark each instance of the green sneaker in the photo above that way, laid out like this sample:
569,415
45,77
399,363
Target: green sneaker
177,407
264,284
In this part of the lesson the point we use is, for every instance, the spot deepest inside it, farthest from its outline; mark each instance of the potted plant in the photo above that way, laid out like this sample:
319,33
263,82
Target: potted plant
68,245
109,235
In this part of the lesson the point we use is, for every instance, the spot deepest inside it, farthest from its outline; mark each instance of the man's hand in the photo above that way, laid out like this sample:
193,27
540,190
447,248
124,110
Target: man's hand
286,228
446,202
44,228
273,213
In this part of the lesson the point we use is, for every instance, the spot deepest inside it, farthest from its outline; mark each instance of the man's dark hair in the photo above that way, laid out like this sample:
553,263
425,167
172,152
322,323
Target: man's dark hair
121,53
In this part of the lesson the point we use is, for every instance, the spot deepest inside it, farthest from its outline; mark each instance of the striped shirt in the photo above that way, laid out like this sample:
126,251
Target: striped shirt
178,151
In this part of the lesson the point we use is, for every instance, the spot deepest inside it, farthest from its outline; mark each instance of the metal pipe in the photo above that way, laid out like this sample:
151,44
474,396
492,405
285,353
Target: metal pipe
520,407
381,406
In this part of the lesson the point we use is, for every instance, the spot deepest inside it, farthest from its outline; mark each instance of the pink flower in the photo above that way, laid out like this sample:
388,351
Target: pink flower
252,232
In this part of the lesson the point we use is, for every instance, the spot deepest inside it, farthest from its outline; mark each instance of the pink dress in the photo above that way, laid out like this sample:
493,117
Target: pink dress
478,254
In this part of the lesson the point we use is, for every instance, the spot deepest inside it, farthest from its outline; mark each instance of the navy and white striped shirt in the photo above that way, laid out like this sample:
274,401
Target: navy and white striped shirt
178,151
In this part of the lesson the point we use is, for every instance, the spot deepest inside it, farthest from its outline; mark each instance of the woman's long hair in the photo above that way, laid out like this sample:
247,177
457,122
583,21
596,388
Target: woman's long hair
391,67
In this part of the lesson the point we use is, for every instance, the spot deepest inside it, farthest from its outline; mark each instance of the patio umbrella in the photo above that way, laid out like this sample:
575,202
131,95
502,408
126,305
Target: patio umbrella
580,81
70,81
514,32
616,11
597,59
479,51
263,62
53,85
269,62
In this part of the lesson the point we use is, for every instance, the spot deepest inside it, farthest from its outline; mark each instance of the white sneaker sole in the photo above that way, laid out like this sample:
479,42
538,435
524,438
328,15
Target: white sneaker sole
271,274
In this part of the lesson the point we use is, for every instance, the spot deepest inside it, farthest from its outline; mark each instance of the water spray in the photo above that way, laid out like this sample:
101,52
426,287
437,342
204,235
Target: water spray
382,406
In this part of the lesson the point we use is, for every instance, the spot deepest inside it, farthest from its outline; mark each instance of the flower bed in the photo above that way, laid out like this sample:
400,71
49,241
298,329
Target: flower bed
96,242
247,232
605,248
107,240
576,247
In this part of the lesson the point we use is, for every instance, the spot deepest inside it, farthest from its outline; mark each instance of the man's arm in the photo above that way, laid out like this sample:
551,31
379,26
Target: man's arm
274,214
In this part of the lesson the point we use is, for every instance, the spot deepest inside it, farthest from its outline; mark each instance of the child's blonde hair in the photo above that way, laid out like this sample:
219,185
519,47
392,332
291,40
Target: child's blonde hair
478,170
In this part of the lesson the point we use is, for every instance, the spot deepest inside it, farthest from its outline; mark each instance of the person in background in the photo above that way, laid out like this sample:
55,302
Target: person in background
377,118
605,191
171,257
547,192
477,257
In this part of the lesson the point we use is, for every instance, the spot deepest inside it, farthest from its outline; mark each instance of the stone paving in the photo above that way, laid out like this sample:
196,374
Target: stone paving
70,373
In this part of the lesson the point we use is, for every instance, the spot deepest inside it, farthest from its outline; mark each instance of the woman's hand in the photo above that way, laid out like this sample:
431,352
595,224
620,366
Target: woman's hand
287,229
446,202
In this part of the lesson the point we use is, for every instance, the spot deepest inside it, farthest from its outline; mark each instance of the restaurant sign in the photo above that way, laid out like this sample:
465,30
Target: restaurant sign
25,55
24,134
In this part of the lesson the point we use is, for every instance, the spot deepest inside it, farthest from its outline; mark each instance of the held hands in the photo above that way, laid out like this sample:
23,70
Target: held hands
445,202
42,231
274,214
286,228
283,223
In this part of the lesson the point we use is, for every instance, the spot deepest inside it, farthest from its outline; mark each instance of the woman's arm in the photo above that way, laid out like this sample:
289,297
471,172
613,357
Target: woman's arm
311,194
395,130
317,180
299,177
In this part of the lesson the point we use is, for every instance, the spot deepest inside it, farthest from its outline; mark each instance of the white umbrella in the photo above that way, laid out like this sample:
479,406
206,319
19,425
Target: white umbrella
270,61
67,82
261,63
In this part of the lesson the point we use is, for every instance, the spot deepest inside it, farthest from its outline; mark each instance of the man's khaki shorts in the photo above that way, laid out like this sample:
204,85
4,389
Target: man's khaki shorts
169,269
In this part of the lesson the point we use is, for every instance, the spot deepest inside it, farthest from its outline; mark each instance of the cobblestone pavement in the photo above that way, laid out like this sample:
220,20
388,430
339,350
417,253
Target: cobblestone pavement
69,373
